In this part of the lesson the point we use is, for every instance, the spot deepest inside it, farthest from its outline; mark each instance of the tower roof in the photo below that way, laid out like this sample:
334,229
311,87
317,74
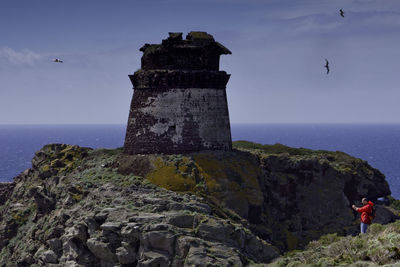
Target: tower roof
199,51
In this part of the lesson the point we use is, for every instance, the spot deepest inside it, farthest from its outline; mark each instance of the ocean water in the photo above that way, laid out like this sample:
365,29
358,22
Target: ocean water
379,144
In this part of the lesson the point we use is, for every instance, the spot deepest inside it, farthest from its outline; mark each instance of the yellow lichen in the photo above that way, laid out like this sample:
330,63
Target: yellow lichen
62,161
21,216
235,175
227,177
45,168
77,197
168,175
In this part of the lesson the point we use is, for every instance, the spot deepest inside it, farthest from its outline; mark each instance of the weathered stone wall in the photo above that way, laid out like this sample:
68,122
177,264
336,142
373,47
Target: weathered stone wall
179,104
178,121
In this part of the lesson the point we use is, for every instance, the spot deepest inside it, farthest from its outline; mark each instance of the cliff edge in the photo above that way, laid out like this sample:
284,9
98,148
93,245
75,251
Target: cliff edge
85,207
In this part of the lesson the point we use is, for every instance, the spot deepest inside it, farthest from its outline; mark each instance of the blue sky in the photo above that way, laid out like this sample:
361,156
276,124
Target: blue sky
278,51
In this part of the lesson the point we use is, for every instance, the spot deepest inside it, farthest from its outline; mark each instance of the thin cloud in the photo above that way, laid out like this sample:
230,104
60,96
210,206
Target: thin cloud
313,24
24,57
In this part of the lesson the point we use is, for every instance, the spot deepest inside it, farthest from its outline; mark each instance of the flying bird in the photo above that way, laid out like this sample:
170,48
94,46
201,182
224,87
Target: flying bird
57,60
327,66
341,12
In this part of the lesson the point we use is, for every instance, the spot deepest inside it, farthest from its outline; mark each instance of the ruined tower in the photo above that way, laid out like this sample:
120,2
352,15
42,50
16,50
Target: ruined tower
179,102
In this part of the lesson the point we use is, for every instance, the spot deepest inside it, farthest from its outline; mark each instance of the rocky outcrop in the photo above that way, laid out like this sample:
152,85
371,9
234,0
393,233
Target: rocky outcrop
90,215
288,196
5,191
311,194
83,207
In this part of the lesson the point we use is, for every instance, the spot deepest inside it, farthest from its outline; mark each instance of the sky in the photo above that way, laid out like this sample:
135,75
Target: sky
277,63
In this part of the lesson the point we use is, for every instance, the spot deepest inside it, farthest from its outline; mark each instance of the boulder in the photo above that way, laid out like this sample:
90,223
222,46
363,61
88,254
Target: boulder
101,250
159,240
49,257
154,259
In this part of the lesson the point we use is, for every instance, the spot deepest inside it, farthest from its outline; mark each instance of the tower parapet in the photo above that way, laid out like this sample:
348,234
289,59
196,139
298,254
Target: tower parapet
179,103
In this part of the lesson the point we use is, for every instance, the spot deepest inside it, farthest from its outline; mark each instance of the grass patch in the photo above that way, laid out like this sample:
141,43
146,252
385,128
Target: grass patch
99,175
394,203
277,149
378,247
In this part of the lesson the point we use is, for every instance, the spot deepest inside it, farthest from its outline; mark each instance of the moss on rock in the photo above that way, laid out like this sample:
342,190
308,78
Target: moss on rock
55,159
231,179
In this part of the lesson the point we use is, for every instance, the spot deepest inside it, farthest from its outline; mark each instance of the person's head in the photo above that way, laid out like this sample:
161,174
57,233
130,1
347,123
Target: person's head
364,201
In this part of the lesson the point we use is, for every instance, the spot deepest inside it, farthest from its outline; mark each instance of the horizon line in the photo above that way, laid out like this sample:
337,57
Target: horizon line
232,123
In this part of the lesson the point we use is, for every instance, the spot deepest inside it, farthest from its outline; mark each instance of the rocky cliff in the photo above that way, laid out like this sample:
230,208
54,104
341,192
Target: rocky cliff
82,207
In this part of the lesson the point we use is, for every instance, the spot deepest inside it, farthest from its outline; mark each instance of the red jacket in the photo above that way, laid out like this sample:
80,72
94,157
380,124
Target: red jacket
366,211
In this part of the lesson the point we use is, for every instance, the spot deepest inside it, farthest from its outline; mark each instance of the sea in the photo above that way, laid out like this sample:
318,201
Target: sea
379,144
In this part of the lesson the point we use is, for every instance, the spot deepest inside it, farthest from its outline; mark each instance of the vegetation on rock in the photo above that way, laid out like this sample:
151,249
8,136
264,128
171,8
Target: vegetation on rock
378,247
102,207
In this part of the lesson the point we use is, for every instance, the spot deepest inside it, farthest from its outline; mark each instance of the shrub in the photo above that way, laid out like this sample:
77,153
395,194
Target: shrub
378,247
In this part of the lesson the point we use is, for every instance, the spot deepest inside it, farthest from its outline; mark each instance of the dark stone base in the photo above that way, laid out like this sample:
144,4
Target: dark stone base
175,121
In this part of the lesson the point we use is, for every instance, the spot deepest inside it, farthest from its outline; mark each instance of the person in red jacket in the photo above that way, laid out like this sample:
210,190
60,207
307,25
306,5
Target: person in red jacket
366,211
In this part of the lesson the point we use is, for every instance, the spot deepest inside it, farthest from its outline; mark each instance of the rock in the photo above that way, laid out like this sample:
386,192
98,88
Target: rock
39,252
181,220
49,257
55,244
153,259
5,191
101,250
183,243
111,227
92,225
215,230
250,205
197,256
298,189
126,254
101,216
131,232
384,215
43,202
26,260
79,232
261,250
160,240
71,251
71,264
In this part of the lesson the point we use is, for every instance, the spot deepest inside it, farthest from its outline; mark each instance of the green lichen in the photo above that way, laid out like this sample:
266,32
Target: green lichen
98,174
21,216
276,149
342,159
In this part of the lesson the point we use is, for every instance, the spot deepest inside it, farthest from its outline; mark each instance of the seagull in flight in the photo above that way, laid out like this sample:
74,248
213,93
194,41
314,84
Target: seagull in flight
341,12
57,60
327,66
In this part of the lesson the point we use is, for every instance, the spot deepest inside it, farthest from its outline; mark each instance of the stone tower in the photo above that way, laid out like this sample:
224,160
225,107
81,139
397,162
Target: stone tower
179,102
